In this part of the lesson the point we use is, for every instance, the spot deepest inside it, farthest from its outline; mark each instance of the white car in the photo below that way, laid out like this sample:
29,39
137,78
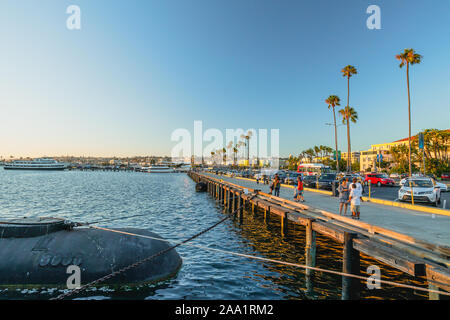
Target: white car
441,186
425,190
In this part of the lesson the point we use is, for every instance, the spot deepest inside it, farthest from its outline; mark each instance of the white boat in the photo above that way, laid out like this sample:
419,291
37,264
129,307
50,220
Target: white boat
36,164
160,169
183,168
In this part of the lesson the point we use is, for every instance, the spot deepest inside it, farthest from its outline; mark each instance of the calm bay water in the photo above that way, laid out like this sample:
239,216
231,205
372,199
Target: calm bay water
175,211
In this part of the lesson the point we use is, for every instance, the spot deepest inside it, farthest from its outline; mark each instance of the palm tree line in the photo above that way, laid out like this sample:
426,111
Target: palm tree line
220,155
348,114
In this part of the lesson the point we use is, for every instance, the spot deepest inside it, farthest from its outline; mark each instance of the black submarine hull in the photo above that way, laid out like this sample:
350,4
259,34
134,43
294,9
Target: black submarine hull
44,260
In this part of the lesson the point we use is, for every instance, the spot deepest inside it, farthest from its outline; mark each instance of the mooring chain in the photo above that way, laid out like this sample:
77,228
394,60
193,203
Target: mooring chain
138,263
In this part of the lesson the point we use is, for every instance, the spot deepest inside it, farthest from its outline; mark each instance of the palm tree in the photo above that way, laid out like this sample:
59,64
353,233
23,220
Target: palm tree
409,57
212,156
348,72
229,147
235,151
332,102
309,154
316,152
247,138
348,114
224,152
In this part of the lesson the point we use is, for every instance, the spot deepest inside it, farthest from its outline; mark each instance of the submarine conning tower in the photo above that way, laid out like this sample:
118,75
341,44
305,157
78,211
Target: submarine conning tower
38,252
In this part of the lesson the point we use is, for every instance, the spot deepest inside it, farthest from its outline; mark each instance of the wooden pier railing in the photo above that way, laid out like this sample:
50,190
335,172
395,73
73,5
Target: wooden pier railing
415,257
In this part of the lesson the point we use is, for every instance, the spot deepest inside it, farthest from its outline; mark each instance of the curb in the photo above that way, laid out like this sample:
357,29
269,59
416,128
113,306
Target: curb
408,206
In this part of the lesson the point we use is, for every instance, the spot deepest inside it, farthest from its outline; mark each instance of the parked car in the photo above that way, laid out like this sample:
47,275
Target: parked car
445,176
291,177
394,176
424,190
442,186
379,179
310,181
326,181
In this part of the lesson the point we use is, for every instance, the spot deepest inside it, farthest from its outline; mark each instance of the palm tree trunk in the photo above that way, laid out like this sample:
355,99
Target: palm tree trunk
248,152
335,141
348,127
409,119
349,155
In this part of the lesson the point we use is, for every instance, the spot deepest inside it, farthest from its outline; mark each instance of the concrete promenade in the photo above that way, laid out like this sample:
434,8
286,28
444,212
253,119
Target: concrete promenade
432,228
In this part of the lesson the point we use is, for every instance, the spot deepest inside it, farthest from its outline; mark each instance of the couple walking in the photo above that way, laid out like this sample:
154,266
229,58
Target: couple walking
298,194
275,186
350,193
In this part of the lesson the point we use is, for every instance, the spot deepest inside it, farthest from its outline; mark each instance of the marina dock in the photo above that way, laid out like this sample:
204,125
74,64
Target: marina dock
413,242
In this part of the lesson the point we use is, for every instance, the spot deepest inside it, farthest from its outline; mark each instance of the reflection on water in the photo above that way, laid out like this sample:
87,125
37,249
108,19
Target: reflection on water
176,212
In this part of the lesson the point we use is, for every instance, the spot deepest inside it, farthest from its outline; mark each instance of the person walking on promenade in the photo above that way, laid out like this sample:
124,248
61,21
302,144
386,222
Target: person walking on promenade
276,185
355,200
298,195
343,196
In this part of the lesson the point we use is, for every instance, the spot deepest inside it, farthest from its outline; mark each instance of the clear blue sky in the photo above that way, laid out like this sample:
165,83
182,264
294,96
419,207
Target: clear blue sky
137,70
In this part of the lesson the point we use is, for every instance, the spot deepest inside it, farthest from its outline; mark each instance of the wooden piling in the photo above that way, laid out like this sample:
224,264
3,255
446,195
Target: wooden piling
310,255
350,264
283,222
433,295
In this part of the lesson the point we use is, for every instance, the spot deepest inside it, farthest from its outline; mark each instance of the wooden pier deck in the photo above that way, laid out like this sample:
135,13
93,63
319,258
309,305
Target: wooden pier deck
416,257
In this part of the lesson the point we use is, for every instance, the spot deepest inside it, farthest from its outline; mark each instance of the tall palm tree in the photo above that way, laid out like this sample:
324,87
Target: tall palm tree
212,156
332,102
348,71
409,57
348,114
247,138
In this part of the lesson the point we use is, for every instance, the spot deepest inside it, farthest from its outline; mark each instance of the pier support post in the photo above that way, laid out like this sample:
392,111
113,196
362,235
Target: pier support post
433,295
266,214
241,208
241,205
225,199
310,255
350,264
284,221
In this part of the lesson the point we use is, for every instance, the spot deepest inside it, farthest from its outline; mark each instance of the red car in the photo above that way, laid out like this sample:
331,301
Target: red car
380,179
445,176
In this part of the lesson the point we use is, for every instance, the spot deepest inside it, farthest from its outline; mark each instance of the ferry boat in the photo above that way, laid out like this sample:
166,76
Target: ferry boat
160,169
36,164
183,168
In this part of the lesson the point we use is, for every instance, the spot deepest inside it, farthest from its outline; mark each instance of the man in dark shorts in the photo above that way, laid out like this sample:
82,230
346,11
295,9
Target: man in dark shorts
276,185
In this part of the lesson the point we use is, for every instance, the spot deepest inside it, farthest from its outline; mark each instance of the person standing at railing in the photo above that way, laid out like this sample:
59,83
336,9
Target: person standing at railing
276,185
298,195
355,200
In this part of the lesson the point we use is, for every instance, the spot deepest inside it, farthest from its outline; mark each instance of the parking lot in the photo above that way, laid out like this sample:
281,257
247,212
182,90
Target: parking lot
391,193
385,192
